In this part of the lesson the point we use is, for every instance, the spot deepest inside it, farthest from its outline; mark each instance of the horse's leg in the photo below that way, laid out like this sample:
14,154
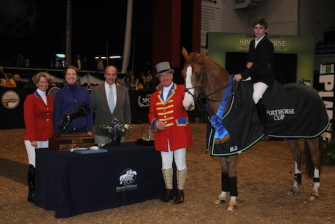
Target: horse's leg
232,172
297,153
314,148
224,181
229,181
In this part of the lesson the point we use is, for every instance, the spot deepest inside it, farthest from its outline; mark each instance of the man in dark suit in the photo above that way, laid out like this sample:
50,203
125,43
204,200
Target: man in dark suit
109,101
260,56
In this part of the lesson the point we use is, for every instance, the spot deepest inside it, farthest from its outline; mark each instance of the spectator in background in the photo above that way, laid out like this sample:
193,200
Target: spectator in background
127,83
118,81
67,99
78,63
143,79
31,83
138,84
150,83
19,61
18,81
86,65
10,81
52,83
38,118
3,78
26,63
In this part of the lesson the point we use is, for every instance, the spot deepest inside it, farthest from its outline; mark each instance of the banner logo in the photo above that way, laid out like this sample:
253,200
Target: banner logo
10,99
144,101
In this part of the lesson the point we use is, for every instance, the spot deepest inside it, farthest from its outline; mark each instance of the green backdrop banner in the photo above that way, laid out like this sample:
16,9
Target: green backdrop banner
303,46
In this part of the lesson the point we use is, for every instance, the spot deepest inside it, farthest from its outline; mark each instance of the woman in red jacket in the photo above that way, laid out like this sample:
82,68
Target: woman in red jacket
38,118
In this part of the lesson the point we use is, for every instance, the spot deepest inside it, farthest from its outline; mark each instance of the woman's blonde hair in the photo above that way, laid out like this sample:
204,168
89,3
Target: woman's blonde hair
46,75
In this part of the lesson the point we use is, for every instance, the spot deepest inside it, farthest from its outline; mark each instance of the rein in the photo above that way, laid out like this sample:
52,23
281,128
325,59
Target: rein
200,95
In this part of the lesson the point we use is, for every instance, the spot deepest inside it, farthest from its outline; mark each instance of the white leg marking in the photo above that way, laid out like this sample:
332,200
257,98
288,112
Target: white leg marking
315,186
294,188
221,198
232,204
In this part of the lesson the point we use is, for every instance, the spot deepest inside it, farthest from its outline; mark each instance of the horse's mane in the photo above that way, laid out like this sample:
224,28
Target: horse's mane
214,66
209,63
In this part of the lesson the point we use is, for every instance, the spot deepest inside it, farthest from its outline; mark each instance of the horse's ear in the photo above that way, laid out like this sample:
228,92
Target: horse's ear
203,55
184,53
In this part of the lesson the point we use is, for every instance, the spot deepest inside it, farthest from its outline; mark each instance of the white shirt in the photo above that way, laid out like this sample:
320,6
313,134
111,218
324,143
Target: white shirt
43,94
166,91
107,89
257,41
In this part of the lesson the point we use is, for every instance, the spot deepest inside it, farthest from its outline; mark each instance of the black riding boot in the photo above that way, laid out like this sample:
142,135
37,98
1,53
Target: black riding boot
261,111
31,183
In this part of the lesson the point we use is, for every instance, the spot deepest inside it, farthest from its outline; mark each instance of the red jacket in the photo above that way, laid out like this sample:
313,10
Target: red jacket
38,118
175,117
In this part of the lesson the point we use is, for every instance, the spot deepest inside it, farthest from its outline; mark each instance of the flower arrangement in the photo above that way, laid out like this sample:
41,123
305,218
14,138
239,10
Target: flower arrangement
115,129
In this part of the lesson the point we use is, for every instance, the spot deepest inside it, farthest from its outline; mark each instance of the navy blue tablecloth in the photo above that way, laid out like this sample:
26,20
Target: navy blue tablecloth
72,183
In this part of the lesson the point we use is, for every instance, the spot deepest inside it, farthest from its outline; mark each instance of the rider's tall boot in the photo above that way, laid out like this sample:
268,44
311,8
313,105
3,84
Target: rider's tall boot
261,111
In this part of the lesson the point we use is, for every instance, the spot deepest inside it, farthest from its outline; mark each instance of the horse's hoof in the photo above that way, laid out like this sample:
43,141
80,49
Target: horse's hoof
231,207
313,197
292,192
219,201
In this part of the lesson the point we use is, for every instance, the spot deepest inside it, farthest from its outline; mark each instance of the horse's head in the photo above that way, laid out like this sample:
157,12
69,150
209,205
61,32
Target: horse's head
203,76
194,75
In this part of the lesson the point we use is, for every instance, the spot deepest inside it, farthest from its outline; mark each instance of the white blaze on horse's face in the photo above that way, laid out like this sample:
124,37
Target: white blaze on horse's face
188,101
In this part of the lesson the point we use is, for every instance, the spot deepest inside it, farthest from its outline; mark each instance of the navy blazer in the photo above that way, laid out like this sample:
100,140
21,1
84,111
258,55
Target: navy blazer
261,57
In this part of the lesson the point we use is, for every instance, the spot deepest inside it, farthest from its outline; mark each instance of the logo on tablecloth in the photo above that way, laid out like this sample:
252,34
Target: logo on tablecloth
127,178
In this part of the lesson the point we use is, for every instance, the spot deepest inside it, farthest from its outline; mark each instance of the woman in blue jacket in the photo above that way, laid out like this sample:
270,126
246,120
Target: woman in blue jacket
68,99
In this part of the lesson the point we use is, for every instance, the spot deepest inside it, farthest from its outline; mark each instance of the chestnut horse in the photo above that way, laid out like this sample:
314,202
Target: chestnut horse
204,76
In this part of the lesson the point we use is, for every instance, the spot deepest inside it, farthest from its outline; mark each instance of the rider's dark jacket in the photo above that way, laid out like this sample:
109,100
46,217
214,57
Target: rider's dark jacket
261,57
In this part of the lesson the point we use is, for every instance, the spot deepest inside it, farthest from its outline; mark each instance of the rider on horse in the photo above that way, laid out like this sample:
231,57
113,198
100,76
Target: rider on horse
260,56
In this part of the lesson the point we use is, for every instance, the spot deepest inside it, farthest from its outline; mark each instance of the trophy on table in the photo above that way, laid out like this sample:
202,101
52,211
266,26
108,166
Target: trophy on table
61,142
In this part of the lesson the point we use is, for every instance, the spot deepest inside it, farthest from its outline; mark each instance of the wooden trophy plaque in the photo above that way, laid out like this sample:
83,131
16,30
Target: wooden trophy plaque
64,142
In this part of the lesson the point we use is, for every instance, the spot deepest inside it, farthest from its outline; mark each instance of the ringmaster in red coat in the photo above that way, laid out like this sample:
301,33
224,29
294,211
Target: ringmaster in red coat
173,134
38,119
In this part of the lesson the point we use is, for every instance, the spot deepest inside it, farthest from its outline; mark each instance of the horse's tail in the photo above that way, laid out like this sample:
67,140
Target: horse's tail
309,165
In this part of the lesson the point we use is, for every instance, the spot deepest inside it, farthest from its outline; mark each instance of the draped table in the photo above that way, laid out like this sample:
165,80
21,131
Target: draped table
70,183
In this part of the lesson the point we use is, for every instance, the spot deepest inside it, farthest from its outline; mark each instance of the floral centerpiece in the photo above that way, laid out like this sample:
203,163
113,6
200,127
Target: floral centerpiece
115,131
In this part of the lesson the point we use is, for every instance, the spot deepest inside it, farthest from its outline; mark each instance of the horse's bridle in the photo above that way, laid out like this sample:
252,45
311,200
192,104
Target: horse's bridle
201,95
198,97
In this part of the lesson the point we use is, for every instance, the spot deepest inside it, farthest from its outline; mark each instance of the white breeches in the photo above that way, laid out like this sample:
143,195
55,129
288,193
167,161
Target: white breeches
179,158
259,89
31,150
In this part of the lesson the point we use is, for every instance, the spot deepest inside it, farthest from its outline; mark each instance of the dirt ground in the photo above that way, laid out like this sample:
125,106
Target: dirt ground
265,175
